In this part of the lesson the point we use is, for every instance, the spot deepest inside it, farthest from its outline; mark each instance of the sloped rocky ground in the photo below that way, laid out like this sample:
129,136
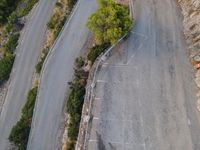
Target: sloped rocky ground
191,24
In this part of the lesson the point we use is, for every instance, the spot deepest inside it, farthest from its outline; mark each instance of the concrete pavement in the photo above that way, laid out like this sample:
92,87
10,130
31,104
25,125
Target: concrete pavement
145,93
58,71
28,50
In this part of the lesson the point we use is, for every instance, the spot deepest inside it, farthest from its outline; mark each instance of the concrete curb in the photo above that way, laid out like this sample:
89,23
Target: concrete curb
50,53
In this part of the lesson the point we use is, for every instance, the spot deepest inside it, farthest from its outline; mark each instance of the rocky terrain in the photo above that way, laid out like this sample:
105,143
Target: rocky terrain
191,24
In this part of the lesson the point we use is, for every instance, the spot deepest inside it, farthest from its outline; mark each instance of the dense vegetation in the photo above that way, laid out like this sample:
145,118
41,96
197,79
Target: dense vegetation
6,8
38,67
20,132
95,51
71,3
6,64
110,22
12,43
75,102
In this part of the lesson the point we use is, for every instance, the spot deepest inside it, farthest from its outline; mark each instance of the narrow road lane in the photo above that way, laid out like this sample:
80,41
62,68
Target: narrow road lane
54,83
145,93
27,53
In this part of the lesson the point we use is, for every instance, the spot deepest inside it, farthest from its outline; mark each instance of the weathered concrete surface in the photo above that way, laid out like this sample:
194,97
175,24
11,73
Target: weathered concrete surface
145,93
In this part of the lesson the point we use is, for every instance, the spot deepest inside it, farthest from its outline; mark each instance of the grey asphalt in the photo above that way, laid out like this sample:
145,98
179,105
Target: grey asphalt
58,71
28,51
145,93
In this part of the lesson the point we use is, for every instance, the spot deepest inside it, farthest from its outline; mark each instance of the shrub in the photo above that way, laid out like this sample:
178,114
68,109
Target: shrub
52,23
95,51
39,65
71,3
6,64
20,132
70,145
110,22
75,103
12,43
27,9
6,8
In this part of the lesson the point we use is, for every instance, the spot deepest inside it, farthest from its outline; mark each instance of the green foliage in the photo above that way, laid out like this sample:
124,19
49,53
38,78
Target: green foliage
6,8
95,51
79,62
75,102
12,43
39,65
70,145
20,132
27,9
71,3
27,110
110,22
6,64
52,23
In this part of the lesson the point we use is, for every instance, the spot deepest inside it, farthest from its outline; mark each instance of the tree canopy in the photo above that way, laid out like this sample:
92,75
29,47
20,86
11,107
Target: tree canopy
110,22
6,8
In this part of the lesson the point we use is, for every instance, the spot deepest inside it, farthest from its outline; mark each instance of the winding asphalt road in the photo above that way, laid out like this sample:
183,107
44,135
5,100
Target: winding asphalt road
145,93
58,71
28,50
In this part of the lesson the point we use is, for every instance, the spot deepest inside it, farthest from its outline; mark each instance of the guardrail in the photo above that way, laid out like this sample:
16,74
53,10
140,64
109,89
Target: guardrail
45,63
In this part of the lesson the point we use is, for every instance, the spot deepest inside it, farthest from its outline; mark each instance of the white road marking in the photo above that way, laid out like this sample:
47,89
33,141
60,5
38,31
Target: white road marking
101,81
95,118
139,34
189,122
97,98
93,140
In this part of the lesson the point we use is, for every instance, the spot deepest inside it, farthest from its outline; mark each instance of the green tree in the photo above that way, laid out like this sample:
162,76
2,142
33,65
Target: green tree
110,22
6,8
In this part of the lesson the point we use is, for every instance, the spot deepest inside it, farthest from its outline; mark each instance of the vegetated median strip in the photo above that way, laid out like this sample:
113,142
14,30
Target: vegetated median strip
20,132
102,42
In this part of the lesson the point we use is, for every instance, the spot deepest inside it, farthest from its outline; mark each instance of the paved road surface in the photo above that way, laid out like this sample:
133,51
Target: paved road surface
57,73
145,93
27,54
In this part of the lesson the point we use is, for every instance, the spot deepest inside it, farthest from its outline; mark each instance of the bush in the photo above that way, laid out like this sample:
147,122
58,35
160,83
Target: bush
6,8
52,23
75,103
12,43
39,65
20,132
6,64
70,145
110,22
95,51
71,3
27,9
